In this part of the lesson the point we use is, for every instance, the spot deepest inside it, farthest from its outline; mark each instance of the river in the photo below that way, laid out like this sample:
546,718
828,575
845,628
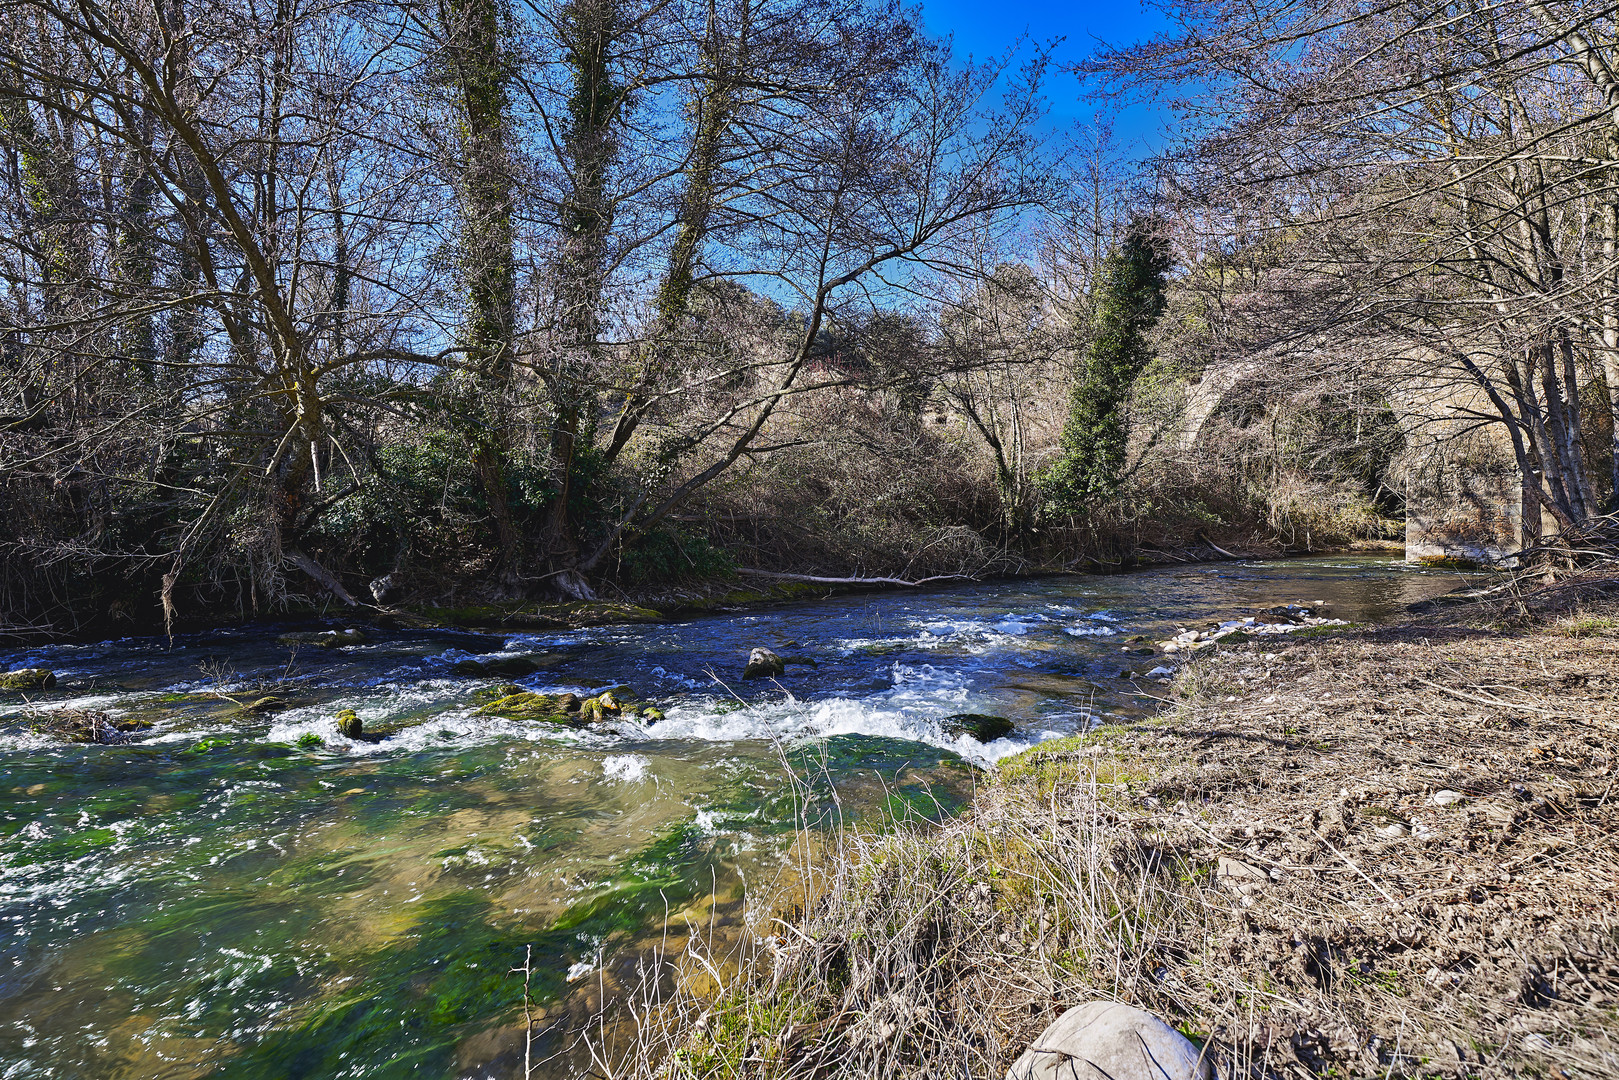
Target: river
226,897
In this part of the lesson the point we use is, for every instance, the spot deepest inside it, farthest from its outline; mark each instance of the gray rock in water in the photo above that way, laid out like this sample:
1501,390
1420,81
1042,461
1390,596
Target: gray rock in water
980,726
764,664
1107,1040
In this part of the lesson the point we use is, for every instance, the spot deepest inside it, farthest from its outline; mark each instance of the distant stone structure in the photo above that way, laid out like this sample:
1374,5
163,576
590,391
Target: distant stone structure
1464,497
1463,494
1463,513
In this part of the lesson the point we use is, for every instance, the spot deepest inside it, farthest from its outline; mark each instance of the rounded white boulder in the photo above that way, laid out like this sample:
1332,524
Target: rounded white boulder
1107,1040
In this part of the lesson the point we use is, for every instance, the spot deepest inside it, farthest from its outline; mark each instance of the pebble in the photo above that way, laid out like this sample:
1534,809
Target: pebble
1446,797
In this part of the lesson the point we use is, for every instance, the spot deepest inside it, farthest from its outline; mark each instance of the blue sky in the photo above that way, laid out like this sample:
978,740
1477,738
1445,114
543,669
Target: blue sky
989,28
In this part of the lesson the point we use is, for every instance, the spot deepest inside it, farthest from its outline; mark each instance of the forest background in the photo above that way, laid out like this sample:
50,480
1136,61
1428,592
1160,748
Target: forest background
307,303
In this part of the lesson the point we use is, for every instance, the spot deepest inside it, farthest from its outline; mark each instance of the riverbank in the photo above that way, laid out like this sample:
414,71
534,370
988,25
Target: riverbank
464,606
1380,852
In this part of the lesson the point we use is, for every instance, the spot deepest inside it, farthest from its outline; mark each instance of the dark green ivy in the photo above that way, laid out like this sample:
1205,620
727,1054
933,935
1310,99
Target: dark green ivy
1129,299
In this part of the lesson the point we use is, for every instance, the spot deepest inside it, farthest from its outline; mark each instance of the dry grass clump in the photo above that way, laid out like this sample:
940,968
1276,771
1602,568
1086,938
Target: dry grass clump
80,726
1271,866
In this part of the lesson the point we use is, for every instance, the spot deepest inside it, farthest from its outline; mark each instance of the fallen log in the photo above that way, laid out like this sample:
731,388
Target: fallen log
854,580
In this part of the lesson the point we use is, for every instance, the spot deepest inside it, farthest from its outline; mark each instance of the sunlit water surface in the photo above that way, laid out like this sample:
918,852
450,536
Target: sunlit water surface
214,900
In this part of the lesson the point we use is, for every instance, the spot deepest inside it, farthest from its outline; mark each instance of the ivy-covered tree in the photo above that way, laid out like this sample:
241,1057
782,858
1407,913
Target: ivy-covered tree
1130,297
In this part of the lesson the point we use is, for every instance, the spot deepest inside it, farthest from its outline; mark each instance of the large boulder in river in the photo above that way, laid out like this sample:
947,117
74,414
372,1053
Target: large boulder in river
980,726
28,678
1107,1040
764,664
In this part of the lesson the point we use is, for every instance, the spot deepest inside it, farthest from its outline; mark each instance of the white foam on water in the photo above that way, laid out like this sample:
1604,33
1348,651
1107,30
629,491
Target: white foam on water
1089,631
626,768
913,711
87,703
458,725
666,675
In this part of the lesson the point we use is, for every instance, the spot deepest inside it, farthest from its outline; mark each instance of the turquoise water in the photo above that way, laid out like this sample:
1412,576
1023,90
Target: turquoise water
225,898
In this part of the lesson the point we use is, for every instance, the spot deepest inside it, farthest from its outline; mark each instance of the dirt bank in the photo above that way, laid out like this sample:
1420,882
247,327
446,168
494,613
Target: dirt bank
1389,853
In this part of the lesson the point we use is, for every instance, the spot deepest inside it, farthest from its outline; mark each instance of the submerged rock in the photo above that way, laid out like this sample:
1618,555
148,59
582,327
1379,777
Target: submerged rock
350,724
27,678
764,664
502,665
981,726
1107,1040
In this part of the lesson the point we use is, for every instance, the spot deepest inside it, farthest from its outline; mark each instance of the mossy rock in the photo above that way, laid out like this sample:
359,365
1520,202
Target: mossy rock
1236,637
325,639
495,693
350,724
267,704
1448,562
27,679
570,615
526,705
981,726
650,715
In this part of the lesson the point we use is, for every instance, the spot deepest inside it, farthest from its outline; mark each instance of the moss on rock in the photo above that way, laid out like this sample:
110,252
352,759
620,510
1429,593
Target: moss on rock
526,705
350,724
325,639
27,679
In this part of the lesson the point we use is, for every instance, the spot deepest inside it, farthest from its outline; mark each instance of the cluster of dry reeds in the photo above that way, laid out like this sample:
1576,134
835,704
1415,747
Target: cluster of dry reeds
937,950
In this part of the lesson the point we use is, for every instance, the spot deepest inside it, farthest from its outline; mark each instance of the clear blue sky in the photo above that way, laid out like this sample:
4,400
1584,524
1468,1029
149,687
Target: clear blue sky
988,28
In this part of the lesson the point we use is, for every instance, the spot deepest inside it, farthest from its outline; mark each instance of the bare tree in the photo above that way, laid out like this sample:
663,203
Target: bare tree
1437,179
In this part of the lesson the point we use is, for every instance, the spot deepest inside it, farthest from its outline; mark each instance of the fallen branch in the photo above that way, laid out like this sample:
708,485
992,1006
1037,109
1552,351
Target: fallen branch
320,574
1220,549
854,580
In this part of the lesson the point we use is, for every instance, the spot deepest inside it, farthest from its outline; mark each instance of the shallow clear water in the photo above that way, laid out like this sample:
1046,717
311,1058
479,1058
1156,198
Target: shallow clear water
215,901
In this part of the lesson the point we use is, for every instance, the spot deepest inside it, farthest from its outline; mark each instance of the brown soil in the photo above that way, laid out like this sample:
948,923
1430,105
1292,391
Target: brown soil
1478,937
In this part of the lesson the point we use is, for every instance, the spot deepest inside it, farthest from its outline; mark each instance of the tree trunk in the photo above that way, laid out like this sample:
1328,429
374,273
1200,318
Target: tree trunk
591,30
487,261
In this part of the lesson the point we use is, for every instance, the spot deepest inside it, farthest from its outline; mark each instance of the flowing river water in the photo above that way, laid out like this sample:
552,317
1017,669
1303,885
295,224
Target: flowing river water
224,898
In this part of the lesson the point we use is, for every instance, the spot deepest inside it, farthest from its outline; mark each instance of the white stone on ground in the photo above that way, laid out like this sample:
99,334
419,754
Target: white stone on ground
1107,1040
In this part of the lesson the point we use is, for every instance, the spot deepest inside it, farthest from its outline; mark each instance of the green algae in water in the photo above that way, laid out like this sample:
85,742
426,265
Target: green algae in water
410,1003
